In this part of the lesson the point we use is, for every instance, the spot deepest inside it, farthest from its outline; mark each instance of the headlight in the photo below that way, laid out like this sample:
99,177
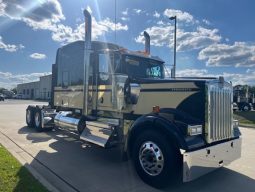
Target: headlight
194,130
235,123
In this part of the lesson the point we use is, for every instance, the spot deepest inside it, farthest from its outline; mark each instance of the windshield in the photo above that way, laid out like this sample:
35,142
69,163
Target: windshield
144,68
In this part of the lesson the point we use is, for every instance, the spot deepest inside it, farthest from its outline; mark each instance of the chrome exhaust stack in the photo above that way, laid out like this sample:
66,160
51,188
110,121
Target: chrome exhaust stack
147,42
88,27
87,51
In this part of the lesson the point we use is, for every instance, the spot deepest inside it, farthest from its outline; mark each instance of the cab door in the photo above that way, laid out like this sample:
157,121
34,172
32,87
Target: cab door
104,88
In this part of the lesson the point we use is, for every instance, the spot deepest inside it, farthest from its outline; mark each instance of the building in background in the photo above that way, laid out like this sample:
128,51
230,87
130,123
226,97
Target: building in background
45,87
36,90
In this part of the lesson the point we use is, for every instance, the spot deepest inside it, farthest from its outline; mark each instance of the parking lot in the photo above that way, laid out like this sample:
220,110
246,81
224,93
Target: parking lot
69,164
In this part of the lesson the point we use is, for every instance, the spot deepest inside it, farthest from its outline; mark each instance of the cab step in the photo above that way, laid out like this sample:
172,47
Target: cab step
99,133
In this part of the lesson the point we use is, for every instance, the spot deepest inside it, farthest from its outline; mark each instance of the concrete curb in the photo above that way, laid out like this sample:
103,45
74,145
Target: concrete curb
25,159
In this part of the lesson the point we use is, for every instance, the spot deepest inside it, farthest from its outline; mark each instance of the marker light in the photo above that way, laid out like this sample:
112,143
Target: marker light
155,109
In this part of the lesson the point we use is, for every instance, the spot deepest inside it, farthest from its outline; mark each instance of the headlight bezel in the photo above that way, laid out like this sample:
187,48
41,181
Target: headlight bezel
193,130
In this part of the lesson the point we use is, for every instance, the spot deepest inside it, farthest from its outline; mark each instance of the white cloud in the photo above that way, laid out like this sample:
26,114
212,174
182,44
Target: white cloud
89,9
206,22
192,73
156,14
207,40
108,23
236,78
35,13
2,7
66,34
198,39
162,35
137,11
9,80
240,79
181,15
240,54
161,22
125,12
47,15
124,18
38,56
10,47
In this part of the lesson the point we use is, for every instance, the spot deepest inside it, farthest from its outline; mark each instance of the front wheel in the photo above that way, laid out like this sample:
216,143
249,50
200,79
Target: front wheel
156,160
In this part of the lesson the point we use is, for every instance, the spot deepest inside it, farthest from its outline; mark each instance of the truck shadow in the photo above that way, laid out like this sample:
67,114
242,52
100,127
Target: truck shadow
34,136
223,179
91,168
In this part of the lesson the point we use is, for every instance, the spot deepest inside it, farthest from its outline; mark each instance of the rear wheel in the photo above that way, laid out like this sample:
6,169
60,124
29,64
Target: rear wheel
38,119
30,116
246,107
156,161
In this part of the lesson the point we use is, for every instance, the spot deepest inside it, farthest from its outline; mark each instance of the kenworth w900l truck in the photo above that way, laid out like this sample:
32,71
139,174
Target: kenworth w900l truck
114,97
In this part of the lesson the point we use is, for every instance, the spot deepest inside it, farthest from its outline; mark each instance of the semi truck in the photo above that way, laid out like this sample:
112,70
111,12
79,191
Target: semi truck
171,128
243,99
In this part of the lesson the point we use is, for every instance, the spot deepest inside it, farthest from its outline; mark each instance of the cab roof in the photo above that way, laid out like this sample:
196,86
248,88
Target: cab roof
104,46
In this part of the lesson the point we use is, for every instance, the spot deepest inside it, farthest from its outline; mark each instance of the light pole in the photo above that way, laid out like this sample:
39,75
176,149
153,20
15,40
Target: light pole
174,68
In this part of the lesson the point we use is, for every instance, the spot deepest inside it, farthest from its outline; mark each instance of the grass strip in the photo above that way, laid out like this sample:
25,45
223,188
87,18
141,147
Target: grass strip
245,118
15,177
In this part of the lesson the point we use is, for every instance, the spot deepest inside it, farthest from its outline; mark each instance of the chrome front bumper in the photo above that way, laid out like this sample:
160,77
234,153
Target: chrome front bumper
203,161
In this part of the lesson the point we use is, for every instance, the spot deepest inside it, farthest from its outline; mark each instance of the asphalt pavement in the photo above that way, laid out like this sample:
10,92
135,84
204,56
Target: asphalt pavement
64,163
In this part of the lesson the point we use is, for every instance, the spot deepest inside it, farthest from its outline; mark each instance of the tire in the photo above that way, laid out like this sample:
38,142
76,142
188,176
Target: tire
38,119
156,160
30,119
246,107
81,126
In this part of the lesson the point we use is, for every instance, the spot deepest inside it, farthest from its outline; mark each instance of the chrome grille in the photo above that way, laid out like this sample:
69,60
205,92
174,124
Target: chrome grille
219,111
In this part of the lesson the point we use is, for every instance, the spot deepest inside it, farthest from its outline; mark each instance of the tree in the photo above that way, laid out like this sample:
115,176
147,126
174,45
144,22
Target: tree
14,90
2,89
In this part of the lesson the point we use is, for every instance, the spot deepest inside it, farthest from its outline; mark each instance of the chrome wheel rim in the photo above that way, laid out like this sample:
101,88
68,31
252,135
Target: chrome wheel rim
246,108
151,158
37,119
28,116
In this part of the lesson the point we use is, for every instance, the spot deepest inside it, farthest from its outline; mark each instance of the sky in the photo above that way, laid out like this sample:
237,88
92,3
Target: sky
214,38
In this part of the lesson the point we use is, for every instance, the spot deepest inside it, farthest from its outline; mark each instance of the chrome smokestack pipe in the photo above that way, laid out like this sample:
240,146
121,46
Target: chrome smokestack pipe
87,28
147,42
87,50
